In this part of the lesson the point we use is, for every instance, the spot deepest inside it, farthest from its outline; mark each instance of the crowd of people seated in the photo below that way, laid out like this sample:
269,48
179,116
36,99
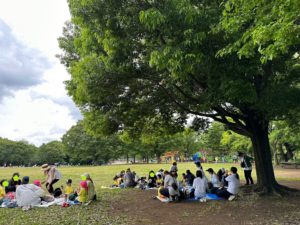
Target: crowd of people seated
224,184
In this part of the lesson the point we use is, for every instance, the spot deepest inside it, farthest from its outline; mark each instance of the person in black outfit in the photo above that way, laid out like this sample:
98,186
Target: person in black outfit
189,178
247,166
14,181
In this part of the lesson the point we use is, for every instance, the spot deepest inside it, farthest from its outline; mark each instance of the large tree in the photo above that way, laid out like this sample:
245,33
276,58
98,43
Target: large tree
236,62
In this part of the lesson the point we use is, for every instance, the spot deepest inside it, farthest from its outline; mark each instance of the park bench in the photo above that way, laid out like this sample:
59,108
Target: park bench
290,164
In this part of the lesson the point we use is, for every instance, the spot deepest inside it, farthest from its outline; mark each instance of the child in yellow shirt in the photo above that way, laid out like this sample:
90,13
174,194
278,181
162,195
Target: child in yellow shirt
69,189
2,190
159,180
83,192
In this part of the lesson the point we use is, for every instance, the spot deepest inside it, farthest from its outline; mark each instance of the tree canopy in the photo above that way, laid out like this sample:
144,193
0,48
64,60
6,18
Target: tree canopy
234,61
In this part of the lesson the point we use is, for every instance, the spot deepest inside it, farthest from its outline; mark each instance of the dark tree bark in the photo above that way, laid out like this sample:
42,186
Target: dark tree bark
263,159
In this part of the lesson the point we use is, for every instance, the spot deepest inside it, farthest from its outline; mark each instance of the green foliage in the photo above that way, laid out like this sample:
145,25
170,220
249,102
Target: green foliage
187,141
283,135
211,139
83,148
52,152
234,142
235,61
267,28
16,152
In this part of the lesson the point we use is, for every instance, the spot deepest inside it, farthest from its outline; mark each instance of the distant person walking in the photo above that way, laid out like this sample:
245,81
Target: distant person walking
53,175
246,164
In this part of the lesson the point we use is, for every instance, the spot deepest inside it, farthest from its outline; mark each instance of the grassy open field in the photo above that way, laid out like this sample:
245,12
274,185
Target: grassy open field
102,175
108,210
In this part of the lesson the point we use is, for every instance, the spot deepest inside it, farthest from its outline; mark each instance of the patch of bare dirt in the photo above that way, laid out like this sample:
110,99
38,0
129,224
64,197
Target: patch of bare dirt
140,207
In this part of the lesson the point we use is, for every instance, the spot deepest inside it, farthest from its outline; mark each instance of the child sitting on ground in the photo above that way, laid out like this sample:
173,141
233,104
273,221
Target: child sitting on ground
82,192
183,181
37,183
152,179
116,183
159,194
2,190
68,189
159,180
142,183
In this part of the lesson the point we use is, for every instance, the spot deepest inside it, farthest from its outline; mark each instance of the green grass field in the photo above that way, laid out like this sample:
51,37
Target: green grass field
99,212
102,175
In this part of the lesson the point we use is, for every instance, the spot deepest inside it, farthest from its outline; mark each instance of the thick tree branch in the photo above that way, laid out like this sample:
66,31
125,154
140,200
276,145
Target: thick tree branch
185,108
185,94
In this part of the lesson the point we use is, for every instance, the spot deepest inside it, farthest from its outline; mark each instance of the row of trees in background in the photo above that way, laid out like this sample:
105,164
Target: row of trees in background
78,146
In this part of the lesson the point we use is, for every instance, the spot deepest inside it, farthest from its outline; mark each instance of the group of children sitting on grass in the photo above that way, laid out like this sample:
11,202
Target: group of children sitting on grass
223,184
21,193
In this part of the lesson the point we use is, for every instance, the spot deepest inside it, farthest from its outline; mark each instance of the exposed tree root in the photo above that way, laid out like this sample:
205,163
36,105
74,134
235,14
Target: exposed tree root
275,190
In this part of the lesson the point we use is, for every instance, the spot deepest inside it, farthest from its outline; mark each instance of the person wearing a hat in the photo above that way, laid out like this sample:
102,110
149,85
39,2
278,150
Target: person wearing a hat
152,179
91,187
82,192
247,166
53,175
13,183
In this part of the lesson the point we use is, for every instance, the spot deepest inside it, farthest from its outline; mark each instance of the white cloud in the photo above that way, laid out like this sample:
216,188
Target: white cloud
35,106
20,66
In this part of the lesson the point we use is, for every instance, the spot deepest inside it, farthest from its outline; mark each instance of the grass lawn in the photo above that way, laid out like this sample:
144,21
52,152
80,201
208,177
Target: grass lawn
102,211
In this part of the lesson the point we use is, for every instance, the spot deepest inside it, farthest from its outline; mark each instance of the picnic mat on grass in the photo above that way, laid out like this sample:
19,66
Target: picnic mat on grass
208,197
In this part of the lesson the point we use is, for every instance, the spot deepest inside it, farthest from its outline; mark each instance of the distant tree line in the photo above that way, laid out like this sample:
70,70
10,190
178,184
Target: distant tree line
79,147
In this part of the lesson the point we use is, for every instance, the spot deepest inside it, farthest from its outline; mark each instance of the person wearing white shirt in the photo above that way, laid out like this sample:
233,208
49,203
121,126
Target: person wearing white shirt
28,194
233,185
214,178
200,185
214,183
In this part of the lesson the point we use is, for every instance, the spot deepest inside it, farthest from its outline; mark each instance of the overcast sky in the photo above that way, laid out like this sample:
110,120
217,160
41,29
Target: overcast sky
34,105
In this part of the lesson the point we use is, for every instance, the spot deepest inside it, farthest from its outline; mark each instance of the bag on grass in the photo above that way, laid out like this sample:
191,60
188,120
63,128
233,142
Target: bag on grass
243,164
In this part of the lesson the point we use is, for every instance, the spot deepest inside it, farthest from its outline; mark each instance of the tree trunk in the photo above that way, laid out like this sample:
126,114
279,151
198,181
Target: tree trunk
263,160
127,158
282,157
133,159
158,158
276,160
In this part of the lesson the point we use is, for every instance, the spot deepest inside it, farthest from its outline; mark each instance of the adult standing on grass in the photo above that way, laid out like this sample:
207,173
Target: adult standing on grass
246,164
53,175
